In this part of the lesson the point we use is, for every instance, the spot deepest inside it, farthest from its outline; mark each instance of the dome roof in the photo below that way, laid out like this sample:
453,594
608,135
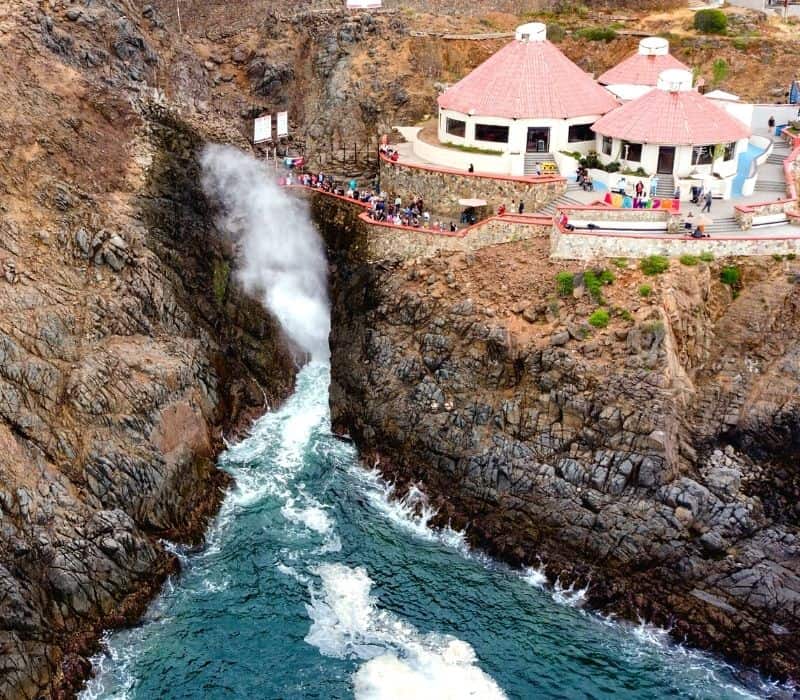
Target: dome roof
644,67
528,78
672,115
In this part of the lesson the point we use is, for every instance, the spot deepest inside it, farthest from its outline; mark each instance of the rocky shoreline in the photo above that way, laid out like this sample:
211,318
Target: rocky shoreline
620,458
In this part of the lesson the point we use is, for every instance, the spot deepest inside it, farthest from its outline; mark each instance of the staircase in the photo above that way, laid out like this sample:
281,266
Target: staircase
722,226
563,201
531,159
780,152
772,186
665,188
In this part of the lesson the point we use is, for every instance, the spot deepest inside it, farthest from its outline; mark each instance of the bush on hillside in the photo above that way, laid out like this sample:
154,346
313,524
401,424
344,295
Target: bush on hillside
565,284
689,260
597,34
645,290
732,276
710,21
556,33
600,318
654,265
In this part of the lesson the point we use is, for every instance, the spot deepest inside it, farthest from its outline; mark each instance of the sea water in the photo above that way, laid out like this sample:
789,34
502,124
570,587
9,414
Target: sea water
315,583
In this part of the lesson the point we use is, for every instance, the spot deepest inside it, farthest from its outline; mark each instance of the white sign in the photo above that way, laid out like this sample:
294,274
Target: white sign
363,4
262,129
283,124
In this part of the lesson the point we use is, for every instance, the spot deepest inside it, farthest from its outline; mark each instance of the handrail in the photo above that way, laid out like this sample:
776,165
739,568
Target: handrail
527,179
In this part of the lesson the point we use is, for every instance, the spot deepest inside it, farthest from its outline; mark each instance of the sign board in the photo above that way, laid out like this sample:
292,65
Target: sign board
364,4
262,129
283,124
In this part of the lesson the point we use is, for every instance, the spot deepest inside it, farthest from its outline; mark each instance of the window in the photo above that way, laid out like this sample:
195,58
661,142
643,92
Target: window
702,155
730,151
490,132
606,145
455,127
580,132
632,152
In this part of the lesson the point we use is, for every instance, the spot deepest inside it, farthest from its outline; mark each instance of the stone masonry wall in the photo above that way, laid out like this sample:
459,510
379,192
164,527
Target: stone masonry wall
442,189
386,242
577,246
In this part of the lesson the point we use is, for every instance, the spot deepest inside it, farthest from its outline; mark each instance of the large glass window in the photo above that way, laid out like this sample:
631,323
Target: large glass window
580,132
632,151
456,127
491,132
606,145
730,151
702,155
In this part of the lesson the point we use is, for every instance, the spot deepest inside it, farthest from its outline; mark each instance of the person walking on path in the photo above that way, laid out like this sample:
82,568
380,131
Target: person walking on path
521,208
707,205
653,185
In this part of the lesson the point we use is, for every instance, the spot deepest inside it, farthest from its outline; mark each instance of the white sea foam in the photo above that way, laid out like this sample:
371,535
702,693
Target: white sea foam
401,662
311,515
281,255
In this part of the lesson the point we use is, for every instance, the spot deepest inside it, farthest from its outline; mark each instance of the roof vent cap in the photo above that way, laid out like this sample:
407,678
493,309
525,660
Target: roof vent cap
653,46
675,80
533,31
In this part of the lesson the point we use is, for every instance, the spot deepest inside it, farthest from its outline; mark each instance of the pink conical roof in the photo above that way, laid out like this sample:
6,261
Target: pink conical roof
680,118
640,70
528,79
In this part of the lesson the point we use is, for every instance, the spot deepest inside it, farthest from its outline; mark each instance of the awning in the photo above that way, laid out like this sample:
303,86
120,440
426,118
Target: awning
472,202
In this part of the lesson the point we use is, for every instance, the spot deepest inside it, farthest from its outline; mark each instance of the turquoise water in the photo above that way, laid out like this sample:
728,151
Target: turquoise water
314,584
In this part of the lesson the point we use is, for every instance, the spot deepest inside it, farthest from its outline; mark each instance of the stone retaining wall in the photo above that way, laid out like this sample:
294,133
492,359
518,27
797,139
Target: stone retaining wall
441,189
391,242
580,246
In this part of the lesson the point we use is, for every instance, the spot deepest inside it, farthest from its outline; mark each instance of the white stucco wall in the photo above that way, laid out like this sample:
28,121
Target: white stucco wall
517,132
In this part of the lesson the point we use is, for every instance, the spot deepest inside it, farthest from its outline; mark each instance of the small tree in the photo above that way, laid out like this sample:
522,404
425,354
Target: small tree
719,70
600,318
565,283
710,21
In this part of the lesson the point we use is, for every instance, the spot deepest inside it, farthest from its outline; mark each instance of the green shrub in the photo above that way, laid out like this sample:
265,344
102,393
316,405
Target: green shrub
565,283
600,318
556,33
710,21
613,167
654,265
597,34
645,290
689,260
592,160
777,256
791,256
707,256
624,314
621,263
594,281
719,70
732,276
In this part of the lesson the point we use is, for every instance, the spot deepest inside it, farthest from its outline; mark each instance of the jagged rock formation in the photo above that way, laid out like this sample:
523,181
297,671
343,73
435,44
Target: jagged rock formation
646,459
125,348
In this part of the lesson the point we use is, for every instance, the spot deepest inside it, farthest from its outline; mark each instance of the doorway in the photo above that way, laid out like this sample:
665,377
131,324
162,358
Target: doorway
666,160
538,139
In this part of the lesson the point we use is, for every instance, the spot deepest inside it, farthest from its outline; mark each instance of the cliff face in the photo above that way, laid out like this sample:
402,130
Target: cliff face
125,349
648,459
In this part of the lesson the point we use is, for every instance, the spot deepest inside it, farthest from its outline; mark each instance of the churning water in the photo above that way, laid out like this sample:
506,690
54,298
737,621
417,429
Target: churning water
314,584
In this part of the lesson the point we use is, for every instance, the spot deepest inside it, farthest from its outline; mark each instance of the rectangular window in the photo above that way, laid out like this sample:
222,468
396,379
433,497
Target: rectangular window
632,152
490,132
455,127
702,155
730,151
580,132
606,145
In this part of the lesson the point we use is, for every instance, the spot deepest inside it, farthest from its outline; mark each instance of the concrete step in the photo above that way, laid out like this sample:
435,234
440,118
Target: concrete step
770,186
777,158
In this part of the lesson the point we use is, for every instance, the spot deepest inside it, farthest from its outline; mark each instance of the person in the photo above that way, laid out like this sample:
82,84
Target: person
521,207
453,228
353,185
538,169
700,232
501,210
587,184
471,168
395,157
677,194
707,205
639,189
688,223
622,185
771,123
653,185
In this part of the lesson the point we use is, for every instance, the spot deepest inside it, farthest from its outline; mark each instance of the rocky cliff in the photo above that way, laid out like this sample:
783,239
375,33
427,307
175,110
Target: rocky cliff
654,459
126,351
